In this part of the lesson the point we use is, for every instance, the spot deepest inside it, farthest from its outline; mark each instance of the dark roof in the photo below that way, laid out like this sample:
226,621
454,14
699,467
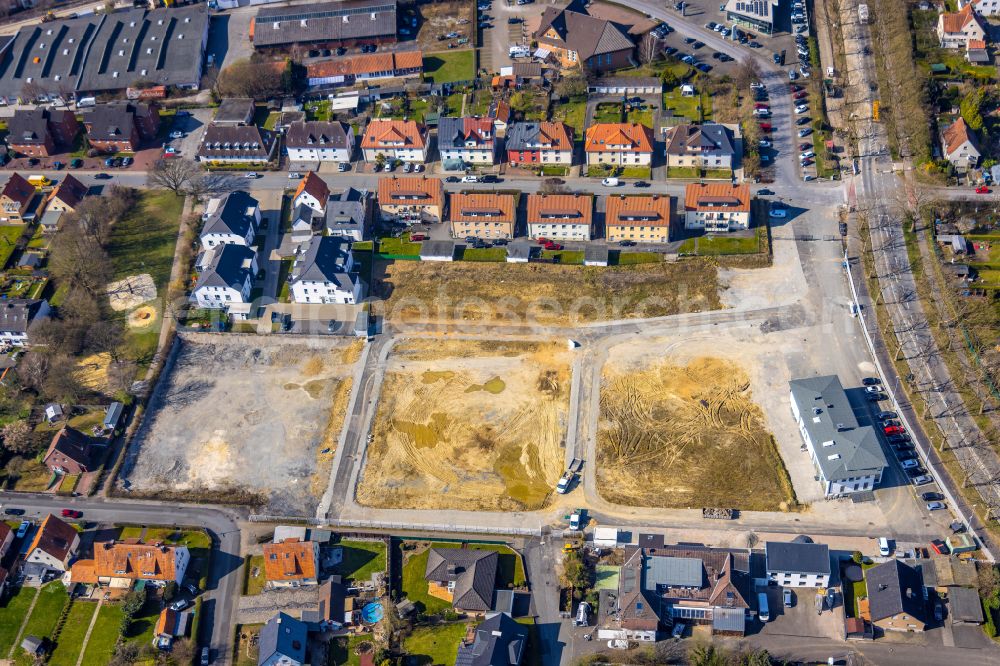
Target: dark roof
791,557
585,34
235,110
73,444
229,267
309,134
70,191
893,588
347,211
66,47
236,140
28,127
965,605
473,571
234,215
54,537
283,635
710,139
110,122
651,540
16,314
18,189
499,641
331,597
325,261
323,22
530,135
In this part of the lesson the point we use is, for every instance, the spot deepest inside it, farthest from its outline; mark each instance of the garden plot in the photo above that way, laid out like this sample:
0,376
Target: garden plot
244,419
468,425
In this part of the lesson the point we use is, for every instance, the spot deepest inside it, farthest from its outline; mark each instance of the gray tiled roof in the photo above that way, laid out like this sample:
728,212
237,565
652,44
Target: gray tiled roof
324,22
585,34
28,127
234,215
672,572
499,641
325,261
235,110
474,572
317,134
228,267
347,211
708,140
791,557
893,588
16,314
110,122
282,635
853,450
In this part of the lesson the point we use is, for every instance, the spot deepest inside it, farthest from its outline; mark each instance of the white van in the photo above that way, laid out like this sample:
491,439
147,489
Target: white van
762,611
610,182
883,547
470,179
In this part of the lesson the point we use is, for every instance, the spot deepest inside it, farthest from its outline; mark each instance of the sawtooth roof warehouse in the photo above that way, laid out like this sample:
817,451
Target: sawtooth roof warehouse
69,58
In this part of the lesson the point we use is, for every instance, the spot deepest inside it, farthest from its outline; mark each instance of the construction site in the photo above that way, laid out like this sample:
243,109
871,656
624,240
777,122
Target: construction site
682,430
246,419
474,425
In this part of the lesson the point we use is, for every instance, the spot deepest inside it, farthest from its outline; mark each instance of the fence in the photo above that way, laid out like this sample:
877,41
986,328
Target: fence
406,527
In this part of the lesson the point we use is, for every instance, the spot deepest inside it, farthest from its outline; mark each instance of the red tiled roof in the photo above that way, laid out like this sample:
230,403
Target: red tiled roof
314,186
644,211
289,560
18,189
634,137
429,190
712,196
560,209
366,64
388,133
54,537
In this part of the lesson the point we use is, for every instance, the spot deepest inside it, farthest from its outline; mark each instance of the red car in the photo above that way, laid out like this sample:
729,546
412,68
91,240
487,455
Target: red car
553,246
70,513
939,547
800,95
417,237
765,127
543,241
982,189
760,105
894,430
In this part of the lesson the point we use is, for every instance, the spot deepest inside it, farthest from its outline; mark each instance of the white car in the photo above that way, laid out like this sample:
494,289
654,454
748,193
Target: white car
470,179
610,182
910,464
764,143
801,108
618,644
388,167
792,75
807,154
778,212
177,135
251,175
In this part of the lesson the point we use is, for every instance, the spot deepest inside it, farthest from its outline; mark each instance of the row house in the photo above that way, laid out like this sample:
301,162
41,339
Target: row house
403,140
349,70
121,127
619,144
540,143
466,141
483,215
245,144
641,219
717,207
39,132
67,195
565,217
411,200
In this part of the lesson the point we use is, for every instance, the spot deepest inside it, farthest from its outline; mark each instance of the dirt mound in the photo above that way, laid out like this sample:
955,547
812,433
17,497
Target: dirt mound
142,317
687,436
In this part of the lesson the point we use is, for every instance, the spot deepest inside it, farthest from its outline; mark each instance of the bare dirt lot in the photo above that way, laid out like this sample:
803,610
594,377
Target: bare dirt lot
512,294
245,420
468,425
442,18
687,434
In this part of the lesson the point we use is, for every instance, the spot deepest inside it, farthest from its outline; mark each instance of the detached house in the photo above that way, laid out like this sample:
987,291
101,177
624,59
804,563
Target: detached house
708,146
412,200
499,641
403,140
116,128
349,214
482,215
236,143
960,145
463,141
16,317
847,456
312,192
283,642
67,195
896,596
982,7
466,577
619,144
38,132
955,29
577,39
323,273
319,142
717,207
232,218
121,563
53,548
15,198
291,563
642,219
540,143
797,564
560,216
227,280
70,452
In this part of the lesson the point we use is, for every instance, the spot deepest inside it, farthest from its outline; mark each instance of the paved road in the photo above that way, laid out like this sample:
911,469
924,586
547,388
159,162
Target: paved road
224,578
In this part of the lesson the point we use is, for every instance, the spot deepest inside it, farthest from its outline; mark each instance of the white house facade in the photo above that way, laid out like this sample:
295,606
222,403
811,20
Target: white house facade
797,563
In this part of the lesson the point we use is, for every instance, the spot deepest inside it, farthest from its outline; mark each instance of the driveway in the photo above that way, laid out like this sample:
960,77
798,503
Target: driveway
801,619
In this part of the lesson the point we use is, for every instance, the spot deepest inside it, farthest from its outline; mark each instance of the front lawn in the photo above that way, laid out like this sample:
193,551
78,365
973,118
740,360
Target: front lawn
361,559
635,172
435,645
101,645
12,613
484,254
400,246
719,245
608,112
67,650
253,583
9,235
450,66
415,585
144,242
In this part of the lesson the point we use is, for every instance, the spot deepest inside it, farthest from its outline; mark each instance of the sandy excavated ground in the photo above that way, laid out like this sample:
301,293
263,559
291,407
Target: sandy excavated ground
245,418
129,292
684,434
468,425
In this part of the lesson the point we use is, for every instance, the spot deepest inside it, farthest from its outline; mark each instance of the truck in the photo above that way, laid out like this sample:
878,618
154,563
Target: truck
576,519
569,476
863,14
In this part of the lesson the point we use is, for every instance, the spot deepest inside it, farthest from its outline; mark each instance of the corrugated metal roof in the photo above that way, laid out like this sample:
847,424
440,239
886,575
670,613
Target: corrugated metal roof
729,619
673,572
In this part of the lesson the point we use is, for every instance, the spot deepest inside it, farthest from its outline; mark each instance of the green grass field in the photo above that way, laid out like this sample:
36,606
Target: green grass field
9,235
101,645
398,246
144,242
435,645
689,107
67,649
484,254
51,600
140,630
573,113
361,559
253,584
11,615
608,112
450,66
719,245
415,585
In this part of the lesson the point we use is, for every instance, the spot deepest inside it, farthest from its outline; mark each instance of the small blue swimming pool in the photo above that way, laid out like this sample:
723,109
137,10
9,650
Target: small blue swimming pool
372,612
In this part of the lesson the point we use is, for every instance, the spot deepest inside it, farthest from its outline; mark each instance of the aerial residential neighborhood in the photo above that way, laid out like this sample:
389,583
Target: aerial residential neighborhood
499,332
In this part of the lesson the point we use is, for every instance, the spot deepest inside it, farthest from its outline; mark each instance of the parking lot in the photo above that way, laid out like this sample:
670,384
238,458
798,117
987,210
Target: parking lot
185,131
801,619
499,33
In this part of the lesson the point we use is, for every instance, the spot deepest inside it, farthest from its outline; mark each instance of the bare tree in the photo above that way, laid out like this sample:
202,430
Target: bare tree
31,91
16,436
78,259
648,48
257,80
572,84
32,370
747,73
176,175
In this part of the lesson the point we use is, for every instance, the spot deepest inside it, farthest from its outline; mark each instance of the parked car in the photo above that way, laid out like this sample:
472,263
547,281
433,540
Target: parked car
935,506
127,161
939,546
251,175
931,497
13,511
180,605
103,176
788,598
294,175
892,430
805,131
71,513
887,415
910,464
75,163
626,243
553,246
921,480
982,189
23,528
177,135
